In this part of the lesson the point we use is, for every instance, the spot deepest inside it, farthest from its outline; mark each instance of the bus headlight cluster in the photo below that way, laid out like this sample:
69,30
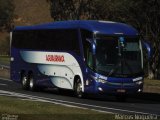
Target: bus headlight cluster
100,79
138,80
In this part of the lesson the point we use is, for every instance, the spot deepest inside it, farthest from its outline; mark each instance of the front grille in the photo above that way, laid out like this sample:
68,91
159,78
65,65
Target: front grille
120,84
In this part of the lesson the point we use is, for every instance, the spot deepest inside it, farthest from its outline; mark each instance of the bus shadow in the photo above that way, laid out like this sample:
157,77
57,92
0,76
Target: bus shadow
60,92
145,98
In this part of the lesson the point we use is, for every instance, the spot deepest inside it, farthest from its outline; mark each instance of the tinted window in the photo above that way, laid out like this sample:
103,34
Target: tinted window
86,45
65,40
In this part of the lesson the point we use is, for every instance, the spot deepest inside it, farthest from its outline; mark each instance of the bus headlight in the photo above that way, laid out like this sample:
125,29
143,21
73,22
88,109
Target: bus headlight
101,80
137,79
139,82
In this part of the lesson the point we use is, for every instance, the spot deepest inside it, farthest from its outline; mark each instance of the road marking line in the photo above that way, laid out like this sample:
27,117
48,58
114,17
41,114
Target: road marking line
66,103
35,98
5,79
3,84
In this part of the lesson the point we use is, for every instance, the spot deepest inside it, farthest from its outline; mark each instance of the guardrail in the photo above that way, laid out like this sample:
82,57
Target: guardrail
4,66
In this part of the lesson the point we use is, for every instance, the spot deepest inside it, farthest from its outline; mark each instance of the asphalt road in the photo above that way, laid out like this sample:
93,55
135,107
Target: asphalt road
141,104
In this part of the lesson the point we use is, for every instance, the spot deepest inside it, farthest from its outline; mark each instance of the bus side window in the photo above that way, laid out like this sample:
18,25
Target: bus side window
87,49
89,57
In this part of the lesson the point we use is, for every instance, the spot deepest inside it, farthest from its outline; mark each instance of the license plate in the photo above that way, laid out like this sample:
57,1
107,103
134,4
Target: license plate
121,91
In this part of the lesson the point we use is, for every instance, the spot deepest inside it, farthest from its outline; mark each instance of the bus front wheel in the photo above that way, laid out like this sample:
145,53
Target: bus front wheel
78,88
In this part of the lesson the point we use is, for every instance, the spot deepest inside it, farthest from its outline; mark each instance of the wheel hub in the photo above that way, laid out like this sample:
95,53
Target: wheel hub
31,83
24,81
79,88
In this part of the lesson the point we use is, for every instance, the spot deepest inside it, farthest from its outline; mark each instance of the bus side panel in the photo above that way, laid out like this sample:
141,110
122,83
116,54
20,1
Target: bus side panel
18,65
47,68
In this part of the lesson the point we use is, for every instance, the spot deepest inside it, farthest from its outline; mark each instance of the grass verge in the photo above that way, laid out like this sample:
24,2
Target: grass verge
32,110
155,83
4,60
151,86
4,73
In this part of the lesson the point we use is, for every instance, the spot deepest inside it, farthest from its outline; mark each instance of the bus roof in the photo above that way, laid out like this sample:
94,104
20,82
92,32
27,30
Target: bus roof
102,27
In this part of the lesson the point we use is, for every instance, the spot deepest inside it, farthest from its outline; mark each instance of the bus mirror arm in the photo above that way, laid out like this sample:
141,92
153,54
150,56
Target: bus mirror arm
93,45
148,48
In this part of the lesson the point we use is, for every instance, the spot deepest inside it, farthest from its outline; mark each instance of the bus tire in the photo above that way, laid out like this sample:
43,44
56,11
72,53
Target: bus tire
78,88
32,85
25,82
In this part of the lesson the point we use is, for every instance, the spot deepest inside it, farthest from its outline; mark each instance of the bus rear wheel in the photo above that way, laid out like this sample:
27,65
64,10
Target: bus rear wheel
25,82
78,88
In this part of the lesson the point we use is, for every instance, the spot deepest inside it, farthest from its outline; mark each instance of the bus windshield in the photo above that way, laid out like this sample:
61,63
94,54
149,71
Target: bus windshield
113,59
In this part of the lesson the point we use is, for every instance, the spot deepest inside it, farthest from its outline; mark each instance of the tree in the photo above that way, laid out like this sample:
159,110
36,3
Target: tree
4,46
6,14
70,9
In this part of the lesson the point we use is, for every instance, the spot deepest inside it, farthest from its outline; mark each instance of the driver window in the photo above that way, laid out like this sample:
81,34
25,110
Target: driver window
87,48
89,57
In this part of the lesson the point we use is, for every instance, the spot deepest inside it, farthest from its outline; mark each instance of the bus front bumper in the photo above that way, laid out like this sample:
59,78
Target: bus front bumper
115,88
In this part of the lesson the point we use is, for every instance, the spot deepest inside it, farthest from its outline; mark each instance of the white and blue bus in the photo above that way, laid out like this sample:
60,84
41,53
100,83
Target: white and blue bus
86,56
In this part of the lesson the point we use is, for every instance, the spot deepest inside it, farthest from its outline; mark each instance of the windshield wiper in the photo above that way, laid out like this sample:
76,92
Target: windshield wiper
128,66
114,69
121,62
118,66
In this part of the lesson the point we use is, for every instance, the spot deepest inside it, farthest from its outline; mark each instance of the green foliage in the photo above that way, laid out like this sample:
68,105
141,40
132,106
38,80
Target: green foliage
4,60
35,110
5,46
6,13
70,9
